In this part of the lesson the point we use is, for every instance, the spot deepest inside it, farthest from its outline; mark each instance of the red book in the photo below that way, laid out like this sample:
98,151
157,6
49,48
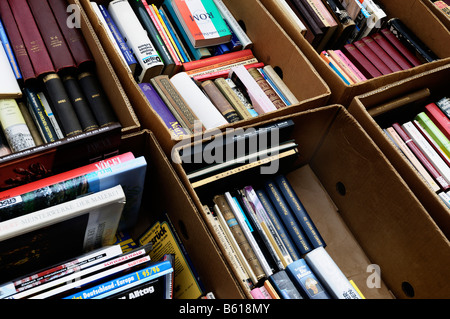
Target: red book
73,36
51,34
40,59
400,47
421,157
360,61
392,52
438,118
378,50
372,57
23,60
223,73
16,191
219,59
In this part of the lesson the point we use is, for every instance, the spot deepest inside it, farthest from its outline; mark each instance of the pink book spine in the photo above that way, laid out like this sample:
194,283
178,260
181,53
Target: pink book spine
350,65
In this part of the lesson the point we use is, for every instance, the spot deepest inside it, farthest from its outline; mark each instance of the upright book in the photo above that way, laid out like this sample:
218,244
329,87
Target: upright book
8,81
4,39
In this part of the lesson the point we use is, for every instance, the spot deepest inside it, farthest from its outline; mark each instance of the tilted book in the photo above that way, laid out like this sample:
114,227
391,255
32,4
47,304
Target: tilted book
392,51
396,43
284,285
59,232
220,101
372,57
202,22
439,118
379,51
9,51
360,61
435,132
432,141
8,81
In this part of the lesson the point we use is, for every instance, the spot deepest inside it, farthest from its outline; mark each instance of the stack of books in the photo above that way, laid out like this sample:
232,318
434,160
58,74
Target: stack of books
48,67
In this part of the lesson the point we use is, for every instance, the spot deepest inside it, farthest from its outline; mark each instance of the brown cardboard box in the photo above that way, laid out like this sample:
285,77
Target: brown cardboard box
413,13
437,83
363,209
445,19
271,46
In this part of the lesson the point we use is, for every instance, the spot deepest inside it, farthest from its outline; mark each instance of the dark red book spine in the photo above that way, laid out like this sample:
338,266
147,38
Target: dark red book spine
39,57
400,47
360,61
375,47
51,34
438,118
23,60
372,57
391,51
73,36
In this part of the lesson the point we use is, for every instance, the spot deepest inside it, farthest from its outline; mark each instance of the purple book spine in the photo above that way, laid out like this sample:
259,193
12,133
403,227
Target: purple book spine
161,108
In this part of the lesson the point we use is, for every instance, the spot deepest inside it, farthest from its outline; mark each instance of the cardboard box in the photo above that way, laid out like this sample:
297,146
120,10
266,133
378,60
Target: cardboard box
271,46
363,209
413,13
437,83
445,19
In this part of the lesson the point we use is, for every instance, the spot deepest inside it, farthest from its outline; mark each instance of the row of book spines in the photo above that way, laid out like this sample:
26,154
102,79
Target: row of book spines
425,142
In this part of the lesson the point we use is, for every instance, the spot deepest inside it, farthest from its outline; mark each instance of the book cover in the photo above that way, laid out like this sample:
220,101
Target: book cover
360,61
439,118
16,41
150,290
284,286
8,82
396,43
219,101
372,57
86,223
31,37
137,39
392,51
162,110
202,107
9,51
378,50
202,22
330,275
51,35
306,281
435,131
346,25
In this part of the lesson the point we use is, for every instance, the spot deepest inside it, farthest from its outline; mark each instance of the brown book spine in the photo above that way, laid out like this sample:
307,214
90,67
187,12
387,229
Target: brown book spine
219,101
271,94
239,236
31,37
232,98
51,34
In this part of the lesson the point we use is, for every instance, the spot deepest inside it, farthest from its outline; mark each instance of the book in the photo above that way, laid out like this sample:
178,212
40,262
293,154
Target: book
376,19
175,102
17,45
313,33
299,211
87,223
434,131
30,123
260,293
232,98
222,72
265,86
306,281
411,41
359,76
202,22
421,156
372,57
137,39
330,275
284,286
222,66
9,51
162,110
336,68
202,107
346,66
396,43
271,290
360,61
97,99
274,77
51,35
346,25
444,105
392,51
217,61
432,141
8,81
49,111
155,289
291,15
379,51
13,124
220,102
439,118
324,15
73,36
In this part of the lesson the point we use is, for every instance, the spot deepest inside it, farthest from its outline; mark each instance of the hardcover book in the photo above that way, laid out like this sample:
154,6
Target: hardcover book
219,101
284,286
436,134
360,61
372,57
396,43
86,223
392,51
439,118
202,22
378,50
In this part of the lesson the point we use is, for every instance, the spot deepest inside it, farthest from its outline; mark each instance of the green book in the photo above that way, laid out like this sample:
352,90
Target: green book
435,133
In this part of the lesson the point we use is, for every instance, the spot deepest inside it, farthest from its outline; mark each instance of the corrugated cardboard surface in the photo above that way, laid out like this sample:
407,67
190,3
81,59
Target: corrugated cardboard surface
437,82
413,13
378,220
272,46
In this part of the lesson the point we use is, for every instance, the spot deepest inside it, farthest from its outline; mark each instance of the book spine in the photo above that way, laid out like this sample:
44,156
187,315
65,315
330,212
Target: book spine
242,96
51,35
336,68
51,115
279,83
439,118
9,51
40,116
344,66
352,67
267,89
220,102
29,120
392,52
80,104
432,141
232,98
14,127
300,212
161,109
95,95
219,60
226,65
360,61
421,157
372,57
396,43
378,50
434,131
284,286
222,72
61,103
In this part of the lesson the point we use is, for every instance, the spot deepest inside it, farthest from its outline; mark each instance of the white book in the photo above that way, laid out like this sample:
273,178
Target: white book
248,234
103,22
8,82
376,16
331,276
260,101
275,78
292,16
445,198
137,39
202,107
427,150
50,114
233,24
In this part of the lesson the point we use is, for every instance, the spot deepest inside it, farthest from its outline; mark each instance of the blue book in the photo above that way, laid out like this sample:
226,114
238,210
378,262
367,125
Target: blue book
284,285
150,272
184,57
9,52
284,212
299,211
126,51
306,281
274,86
